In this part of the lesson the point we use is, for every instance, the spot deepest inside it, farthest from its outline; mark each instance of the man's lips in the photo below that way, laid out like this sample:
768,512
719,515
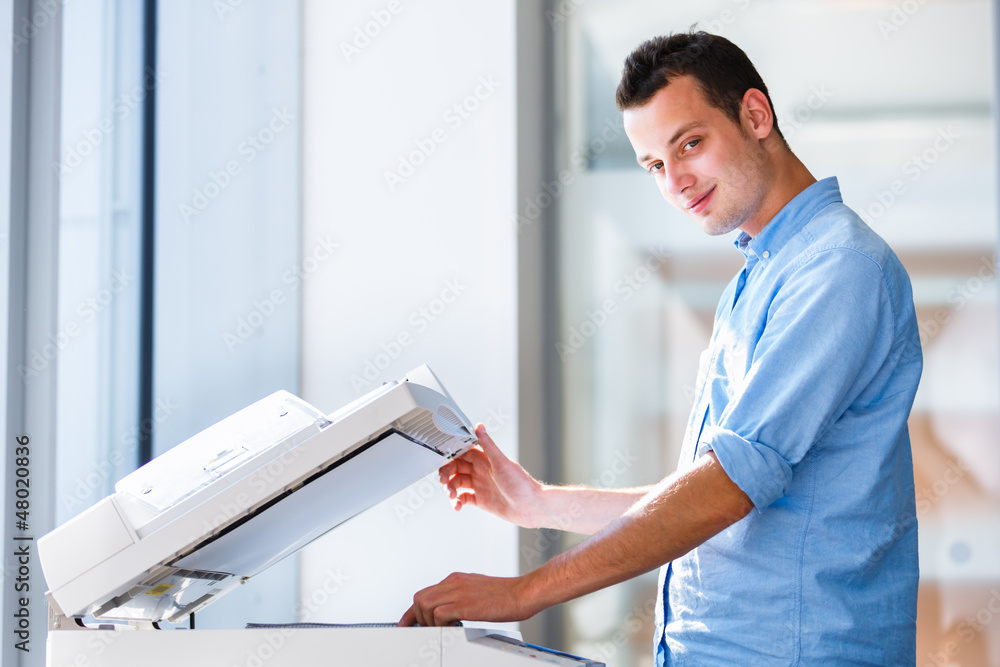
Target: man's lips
700,203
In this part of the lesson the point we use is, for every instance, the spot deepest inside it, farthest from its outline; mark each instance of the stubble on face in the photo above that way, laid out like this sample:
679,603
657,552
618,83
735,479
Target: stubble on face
743,190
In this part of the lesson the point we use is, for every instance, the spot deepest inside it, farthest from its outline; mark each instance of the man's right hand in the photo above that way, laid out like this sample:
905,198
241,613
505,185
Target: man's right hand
486,478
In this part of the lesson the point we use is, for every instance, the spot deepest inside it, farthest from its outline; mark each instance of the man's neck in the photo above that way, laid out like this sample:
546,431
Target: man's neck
790,178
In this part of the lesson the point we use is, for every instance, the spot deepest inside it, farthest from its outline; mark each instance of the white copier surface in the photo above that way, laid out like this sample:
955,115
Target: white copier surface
217,509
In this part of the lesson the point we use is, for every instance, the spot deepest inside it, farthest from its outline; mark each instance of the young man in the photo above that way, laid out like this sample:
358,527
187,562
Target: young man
788,533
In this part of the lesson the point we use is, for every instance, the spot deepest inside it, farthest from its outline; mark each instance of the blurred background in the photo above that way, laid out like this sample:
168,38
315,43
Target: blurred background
222,199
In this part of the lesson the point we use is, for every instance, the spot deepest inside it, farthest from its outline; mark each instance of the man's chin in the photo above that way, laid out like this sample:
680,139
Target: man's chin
716,227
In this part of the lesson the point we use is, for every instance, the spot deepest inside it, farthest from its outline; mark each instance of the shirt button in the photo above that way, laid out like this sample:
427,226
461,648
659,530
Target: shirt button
766,254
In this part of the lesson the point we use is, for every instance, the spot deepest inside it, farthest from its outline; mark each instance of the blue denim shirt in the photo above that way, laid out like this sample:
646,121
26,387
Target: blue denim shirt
803,394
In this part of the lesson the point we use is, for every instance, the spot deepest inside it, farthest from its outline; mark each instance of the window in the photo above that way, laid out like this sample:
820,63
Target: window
227,225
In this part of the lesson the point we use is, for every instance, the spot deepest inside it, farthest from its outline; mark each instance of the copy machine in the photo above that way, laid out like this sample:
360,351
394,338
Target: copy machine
219,508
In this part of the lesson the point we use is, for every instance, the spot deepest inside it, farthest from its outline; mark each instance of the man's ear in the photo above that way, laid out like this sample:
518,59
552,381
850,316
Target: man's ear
758,114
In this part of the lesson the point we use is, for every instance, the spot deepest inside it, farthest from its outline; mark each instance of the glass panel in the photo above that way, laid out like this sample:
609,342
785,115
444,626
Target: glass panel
95,348
229,260
909,131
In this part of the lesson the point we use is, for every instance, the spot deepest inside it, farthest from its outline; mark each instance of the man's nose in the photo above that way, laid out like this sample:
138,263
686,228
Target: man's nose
676,179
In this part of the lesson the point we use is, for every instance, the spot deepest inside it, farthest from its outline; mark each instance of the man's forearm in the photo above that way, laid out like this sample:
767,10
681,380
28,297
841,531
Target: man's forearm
666,523
675,516
580,509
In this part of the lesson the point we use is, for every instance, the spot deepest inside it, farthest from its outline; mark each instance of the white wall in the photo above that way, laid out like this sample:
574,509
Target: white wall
441,240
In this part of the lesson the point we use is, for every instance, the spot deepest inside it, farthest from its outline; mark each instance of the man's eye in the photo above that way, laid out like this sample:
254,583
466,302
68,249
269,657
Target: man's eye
691,144
655,167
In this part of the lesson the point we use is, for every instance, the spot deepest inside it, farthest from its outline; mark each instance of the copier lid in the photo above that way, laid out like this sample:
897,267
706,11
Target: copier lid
238,497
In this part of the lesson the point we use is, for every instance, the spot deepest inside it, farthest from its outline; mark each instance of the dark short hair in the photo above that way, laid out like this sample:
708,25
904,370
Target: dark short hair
723,72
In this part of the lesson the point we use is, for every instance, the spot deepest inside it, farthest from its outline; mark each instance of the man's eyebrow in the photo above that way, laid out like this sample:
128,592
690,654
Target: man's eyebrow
687,127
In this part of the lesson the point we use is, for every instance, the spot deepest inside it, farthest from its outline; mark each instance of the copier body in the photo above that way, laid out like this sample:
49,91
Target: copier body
291,647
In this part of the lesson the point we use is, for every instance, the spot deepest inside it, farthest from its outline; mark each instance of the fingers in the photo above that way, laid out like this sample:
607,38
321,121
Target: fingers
459,482
464,499
457,467
433,606
408,619
473,471
457,476
486,442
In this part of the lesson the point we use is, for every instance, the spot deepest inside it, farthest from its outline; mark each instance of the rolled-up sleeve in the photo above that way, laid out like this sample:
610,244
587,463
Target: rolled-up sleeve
828,329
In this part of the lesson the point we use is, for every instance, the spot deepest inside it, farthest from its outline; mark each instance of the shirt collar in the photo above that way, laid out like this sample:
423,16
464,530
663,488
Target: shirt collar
789,220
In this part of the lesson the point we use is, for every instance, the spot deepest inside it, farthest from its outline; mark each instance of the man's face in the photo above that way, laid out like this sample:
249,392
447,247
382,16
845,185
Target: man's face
703,163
